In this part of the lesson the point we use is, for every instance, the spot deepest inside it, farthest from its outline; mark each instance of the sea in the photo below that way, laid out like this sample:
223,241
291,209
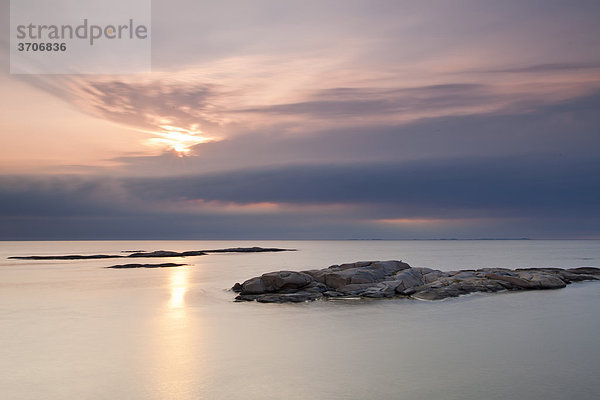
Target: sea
78,330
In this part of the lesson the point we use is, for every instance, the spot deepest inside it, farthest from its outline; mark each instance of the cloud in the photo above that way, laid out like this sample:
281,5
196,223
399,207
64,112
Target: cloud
148,104
548,67
566,130
506,186
372,102
61,196
307,67
152,103
302,97
341,200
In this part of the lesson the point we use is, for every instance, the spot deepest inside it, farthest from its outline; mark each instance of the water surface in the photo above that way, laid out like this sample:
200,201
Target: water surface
73,329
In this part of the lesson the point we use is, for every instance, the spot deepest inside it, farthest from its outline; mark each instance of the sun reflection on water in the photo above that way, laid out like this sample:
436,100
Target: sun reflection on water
175,345
178,286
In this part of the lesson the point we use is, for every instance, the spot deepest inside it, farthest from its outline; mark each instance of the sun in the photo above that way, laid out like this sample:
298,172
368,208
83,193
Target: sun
178,139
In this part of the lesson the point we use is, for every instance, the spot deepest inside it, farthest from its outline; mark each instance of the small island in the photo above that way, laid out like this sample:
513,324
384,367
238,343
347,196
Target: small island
386,279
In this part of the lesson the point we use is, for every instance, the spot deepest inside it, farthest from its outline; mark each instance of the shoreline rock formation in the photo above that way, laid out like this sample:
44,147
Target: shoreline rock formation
153,254
385,279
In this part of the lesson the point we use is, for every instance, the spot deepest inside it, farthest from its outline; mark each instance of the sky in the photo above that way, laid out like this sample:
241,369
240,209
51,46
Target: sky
329,119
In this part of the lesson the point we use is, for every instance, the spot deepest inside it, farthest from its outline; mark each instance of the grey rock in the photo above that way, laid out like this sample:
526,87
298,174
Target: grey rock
408,279
253,286
569,277
432,276
355,289
339,279
332,293
157,253
317,274
358,264
585,270
382,279
298,297
237,288
514,281
382,289
276,281
389,267
248,250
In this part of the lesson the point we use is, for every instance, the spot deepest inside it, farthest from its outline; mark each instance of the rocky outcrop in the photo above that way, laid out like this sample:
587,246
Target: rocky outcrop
164,265
379,279
153,254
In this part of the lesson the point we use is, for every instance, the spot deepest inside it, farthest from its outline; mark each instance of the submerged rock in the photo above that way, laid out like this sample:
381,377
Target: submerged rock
380,279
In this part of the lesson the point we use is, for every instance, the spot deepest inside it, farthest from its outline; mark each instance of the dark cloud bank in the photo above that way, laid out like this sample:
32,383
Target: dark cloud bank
553,192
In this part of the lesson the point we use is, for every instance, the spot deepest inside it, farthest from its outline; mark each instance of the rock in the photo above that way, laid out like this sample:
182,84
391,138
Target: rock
237,287
317,274
541,279
276,281
381,279
338,276
432,276
382,289
281,280
67,257
358,264
544,280
253,286
585,270
297,297
192,253
164,265
247,250
339,279
569,277
157,253
354,289
514,281
408,279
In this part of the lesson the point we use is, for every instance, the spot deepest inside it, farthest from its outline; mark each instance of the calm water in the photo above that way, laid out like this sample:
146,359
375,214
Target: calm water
74,330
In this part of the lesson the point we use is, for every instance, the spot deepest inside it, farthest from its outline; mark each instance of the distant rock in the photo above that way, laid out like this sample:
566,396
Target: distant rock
248,250
164,265
153,254
165,254
384,279
67,257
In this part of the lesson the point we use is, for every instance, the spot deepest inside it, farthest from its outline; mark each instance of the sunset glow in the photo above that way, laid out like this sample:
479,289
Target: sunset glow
180,140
